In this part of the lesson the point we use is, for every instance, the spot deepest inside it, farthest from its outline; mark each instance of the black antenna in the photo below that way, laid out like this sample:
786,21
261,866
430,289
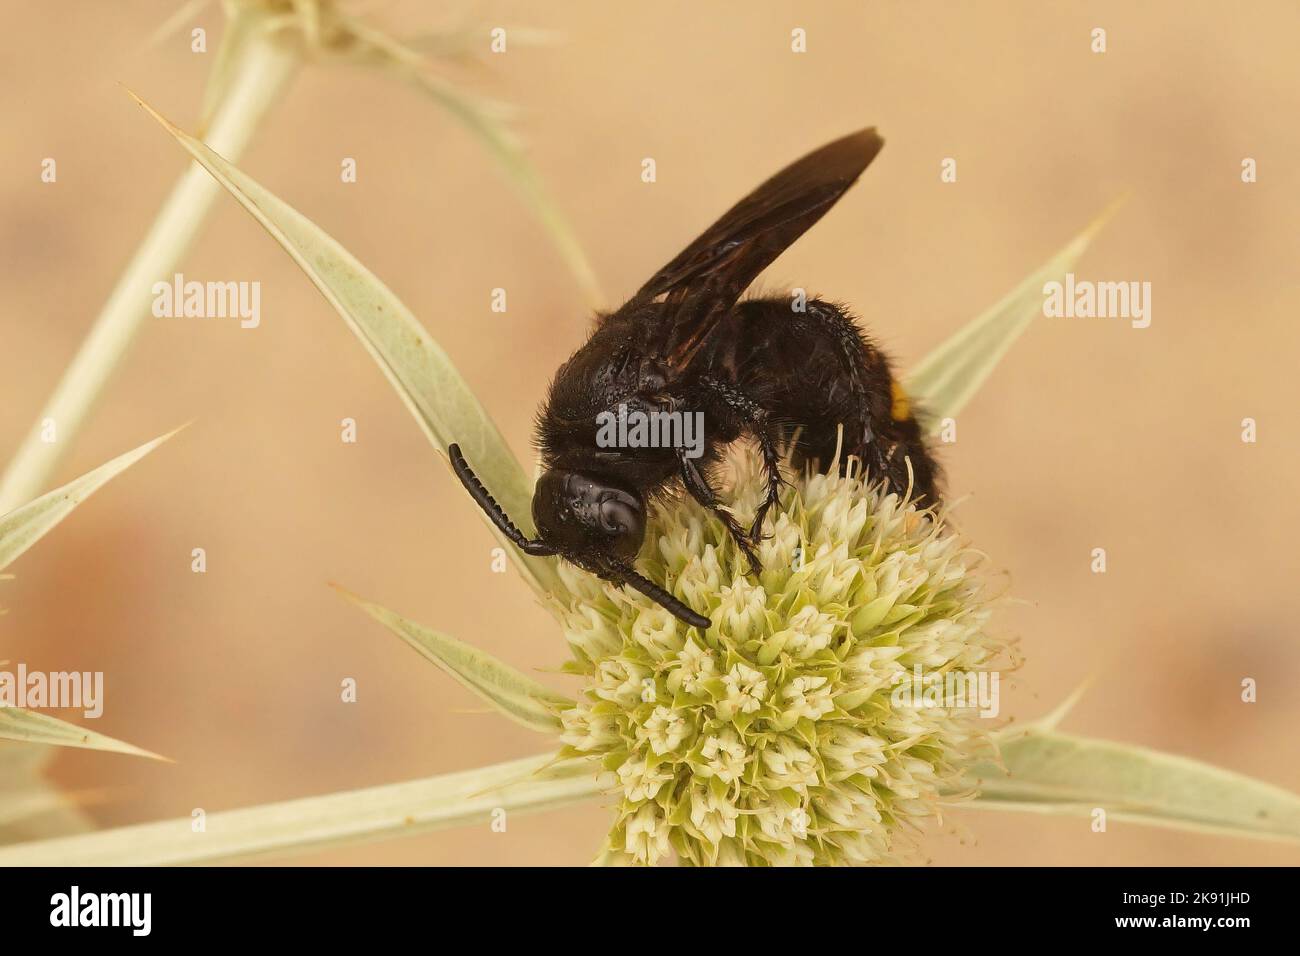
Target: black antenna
537,548
661,597
541,549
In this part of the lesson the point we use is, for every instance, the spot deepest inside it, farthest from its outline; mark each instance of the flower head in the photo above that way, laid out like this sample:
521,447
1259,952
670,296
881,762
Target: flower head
774,737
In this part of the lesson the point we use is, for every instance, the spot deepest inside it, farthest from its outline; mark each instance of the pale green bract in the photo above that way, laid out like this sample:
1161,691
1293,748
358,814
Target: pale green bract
416,366
1043,771
519,697
949,376
27,726
24,526
19,530
780,702
24,795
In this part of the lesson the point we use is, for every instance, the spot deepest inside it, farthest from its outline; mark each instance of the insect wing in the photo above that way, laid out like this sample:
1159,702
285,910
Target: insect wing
708,277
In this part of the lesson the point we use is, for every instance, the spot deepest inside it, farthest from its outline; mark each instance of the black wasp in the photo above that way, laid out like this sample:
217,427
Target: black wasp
770,368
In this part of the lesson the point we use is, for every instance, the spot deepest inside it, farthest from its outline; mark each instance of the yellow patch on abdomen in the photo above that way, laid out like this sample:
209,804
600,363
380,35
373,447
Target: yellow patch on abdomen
901,410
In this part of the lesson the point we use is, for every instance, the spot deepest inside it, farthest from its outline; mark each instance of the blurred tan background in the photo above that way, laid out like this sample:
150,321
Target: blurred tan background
1091,434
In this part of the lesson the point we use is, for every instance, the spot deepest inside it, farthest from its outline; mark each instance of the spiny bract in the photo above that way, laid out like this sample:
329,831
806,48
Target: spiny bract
773,738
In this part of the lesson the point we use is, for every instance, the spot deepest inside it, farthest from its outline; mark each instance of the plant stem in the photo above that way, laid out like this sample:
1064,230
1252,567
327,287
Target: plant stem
333,819
261,74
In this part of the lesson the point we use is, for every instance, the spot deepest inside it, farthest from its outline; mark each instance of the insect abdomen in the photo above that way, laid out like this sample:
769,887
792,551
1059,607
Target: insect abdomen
818,371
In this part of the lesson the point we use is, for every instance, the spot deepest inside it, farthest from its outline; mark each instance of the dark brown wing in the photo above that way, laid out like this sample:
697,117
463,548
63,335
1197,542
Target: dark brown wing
709,276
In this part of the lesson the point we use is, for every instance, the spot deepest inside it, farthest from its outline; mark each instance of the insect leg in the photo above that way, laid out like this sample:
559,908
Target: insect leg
698,485
854,353
756,420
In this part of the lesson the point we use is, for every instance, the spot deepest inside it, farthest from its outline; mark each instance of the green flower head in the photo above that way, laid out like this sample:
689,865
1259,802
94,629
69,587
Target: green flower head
774,736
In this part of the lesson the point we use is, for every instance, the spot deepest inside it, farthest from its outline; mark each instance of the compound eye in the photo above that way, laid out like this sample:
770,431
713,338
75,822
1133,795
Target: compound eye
620,515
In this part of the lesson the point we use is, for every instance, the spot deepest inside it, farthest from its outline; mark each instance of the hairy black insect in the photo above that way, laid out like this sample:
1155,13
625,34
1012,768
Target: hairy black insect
686,349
